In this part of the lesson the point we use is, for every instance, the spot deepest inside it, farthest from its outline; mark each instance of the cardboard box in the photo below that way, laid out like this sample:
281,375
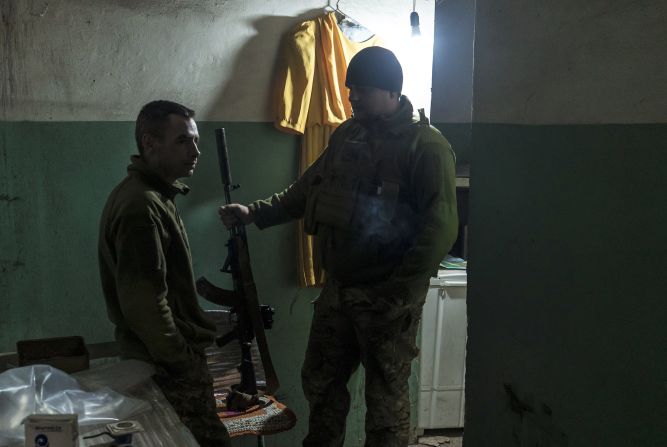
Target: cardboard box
65,353
51,430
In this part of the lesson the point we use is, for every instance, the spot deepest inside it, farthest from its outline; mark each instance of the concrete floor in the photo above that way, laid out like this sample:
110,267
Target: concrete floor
440,438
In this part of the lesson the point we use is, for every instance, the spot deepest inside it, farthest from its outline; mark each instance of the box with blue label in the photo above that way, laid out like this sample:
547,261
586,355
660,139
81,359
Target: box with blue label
51,430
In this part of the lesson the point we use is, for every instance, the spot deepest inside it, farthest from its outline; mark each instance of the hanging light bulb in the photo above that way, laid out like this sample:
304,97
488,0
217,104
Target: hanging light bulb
414,20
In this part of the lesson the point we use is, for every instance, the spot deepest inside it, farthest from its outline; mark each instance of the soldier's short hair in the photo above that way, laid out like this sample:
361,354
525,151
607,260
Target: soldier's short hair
154,116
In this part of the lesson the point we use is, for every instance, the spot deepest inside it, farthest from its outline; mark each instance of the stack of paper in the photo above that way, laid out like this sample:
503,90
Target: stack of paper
450,262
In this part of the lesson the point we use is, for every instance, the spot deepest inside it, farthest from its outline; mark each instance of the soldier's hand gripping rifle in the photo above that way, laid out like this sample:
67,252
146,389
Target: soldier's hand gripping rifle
251,318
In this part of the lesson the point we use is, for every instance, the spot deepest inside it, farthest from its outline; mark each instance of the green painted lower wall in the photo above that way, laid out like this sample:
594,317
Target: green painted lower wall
459,136
566,294
53,181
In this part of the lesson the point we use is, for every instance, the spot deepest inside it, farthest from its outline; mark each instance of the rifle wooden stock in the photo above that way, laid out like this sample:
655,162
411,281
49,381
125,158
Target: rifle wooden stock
216,295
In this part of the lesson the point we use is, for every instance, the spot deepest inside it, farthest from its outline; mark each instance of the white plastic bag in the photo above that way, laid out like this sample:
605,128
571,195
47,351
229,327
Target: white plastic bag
42,389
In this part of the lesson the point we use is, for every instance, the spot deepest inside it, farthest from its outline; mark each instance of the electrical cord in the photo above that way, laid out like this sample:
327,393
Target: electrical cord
99,434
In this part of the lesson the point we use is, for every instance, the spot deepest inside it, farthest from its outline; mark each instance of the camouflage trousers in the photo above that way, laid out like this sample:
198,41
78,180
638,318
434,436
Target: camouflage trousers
192,399
344,333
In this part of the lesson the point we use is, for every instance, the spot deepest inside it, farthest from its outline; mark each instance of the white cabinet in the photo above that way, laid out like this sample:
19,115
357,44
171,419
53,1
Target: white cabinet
442,356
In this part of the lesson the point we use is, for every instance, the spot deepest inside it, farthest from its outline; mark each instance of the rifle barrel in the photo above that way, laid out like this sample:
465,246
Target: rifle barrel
223,160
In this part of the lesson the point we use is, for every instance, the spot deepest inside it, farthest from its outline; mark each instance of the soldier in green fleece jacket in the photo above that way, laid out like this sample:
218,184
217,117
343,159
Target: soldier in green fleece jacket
146,269
381,201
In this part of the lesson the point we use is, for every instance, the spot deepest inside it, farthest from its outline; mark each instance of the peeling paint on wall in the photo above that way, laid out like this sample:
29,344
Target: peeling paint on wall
39,8
8,22
534,426
7,198
173,7
17,20
169,8
8,264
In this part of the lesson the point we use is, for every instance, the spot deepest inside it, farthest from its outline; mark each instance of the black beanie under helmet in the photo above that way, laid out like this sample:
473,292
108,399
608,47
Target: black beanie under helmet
375,67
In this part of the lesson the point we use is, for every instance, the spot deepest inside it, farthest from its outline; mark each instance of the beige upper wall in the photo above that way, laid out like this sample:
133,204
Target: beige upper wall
453,61
101,60
570,62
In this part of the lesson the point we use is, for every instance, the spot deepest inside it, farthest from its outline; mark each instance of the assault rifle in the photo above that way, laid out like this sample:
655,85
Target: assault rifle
251,317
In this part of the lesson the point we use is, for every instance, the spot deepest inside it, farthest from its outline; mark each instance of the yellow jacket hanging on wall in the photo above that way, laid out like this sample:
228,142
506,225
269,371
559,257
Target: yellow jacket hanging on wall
310,99
310,82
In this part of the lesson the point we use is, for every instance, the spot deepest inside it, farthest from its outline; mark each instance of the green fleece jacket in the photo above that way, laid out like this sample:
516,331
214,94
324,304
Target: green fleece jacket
146,271
381,200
